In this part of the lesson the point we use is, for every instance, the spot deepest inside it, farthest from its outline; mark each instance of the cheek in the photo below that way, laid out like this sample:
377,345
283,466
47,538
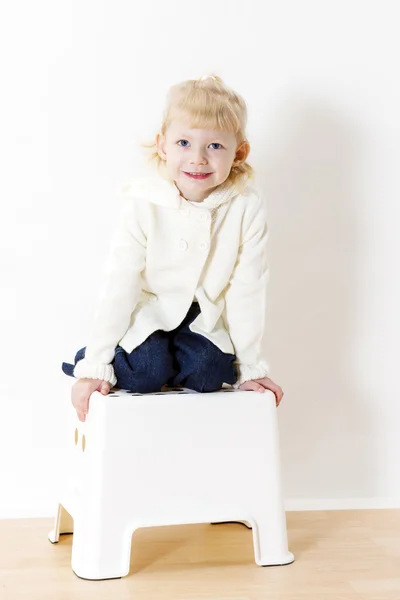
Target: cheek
174,157
223,162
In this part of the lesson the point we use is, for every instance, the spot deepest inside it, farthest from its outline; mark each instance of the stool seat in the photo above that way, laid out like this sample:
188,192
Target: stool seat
170,458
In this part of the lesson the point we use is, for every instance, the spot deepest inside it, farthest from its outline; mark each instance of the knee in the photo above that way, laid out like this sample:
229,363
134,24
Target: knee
210,373
145,370
152,359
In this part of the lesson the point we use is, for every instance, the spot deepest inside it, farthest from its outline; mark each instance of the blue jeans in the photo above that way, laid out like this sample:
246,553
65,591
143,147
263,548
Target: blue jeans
178,358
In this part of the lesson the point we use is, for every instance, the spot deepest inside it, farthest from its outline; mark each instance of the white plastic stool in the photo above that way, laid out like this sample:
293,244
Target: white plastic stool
171,458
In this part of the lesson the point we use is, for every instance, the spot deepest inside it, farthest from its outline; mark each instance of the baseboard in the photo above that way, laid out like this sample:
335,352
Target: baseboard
291,504
26,512
306,504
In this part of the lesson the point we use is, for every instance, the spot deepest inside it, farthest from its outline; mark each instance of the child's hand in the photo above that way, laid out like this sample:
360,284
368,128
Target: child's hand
259,385
81,392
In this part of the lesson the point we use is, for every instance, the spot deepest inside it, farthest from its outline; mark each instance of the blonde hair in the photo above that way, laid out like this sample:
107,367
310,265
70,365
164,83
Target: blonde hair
207,103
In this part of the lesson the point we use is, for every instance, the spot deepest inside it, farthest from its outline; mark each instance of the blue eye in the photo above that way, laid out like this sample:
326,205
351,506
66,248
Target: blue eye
187,143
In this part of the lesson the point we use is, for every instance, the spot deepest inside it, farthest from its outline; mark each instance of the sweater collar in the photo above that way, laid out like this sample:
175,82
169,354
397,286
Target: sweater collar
223,193
163,192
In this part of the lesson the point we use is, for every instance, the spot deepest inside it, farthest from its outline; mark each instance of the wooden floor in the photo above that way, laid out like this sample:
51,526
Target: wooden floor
340,555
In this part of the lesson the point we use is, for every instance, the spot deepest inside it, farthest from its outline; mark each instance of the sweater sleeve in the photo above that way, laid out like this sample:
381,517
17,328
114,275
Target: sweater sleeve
245,298
119,292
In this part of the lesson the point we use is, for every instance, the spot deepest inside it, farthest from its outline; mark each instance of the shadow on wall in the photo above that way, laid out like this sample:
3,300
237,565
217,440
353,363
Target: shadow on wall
309,174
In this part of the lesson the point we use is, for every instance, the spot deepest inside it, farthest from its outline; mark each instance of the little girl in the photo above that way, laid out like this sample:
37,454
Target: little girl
184,297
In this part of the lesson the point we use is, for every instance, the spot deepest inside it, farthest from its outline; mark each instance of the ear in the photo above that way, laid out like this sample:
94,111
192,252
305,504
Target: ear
160,143
242,153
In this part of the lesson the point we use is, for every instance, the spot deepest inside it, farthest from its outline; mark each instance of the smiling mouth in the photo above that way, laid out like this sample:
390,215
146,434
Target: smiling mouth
194,175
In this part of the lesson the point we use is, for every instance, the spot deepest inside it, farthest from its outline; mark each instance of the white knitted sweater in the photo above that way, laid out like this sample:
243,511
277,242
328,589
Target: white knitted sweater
164,252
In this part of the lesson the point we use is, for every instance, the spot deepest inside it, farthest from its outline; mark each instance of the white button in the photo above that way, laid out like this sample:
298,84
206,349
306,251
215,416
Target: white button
203,216
183,244
203,246
186,211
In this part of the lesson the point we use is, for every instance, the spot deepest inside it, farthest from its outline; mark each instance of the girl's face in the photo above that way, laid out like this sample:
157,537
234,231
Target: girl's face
199,160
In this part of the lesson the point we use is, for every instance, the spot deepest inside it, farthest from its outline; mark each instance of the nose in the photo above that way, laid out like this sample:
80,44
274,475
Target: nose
198,157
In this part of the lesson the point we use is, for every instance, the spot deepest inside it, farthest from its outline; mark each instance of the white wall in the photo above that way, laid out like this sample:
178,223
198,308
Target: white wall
83,83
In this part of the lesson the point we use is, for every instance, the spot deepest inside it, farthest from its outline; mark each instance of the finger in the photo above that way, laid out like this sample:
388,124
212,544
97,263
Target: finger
249,386
253,386
274,388
81,413
81,416
105,388
81,405
278,392
256,387
244,386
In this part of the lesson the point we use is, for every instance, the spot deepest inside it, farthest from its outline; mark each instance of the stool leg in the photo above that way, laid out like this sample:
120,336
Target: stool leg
101,549
63,523
270,540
